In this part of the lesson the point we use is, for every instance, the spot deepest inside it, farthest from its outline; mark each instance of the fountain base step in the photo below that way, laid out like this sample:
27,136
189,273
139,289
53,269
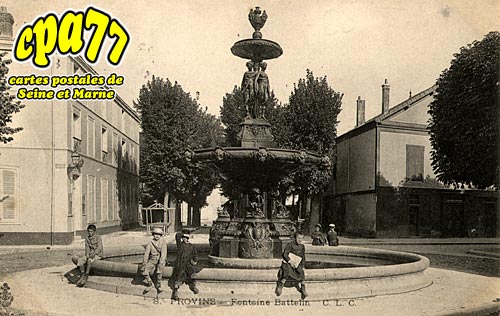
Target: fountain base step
234,293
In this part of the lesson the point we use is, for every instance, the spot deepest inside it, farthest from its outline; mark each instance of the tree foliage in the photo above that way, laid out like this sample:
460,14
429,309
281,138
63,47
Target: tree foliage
7,104
232,113
309,122
173,124
464,116
310,118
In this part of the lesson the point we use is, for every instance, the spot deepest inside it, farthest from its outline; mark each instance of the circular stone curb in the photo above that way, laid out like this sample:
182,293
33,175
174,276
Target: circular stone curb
405,273
483,253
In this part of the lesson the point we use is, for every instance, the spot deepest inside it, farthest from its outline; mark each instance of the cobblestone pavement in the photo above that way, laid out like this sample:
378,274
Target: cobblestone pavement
35,259
454,257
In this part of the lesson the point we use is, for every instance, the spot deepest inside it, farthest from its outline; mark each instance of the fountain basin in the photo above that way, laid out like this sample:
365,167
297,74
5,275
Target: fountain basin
257,49
388,272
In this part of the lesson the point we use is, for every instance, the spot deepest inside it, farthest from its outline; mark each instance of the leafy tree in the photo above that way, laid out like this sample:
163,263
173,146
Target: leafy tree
172,125
464,116
232,113
7,104
311,115
309,122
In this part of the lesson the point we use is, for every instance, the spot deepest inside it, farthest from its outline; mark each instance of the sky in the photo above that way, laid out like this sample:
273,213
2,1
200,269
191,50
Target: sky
356,44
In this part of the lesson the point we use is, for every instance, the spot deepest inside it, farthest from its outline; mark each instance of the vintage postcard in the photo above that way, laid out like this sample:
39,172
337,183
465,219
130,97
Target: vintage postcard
241,157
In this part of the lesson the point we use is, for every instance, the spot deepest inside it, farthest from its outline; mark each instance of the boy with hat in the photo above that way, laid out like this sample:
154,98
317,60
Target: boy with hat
332,236
185,268
154,259
178,237
93,252
317,236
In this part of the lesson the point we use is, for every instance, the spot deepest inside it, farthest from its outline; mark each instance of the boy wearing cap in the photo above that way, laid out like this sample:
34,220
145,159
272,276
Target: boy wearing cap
317,236
154,259
185,268
93,252
332,236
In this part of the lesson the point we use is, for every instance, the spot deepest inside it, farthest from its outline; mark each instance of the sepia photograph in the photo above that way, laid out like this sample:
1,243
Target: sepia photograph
201,157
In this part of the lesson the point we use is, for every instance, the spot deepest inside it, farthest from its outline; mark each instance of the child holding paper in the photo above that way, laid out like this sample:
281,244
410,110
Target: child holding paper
292,268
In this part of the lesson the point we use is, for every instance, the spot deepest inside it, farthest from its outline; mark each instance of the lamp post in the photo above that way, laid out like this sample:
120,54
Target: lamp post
74,169
74,172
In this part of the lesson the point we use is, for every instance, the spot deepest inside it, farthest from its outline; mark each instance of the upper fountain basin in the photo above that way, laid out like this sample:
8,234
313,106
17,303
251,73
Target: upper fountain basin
257,50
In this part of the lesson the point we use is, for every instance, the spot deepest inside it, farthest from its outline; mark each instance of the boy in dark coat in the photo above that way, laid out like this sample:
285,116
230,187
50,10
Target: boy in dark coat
332,236
93,252
318,239
185,268
292,267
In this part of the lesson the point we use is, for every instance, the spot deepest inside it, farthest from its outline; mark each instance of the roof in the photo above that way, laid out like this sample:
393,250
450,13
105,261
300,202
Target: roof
405,105
401,107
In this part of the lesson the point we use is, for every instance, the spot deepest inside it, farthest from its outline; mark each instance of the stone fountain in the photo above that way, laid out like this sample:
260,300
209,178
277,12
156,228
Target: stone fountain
254,223
247,238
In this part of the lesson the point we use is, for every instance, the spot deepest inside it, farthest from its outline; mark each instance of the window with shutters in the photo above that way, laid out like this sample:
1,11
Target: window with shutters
124,158
77,131
116,204
91,207
104,200
91,137
104,144
114,149
9,196
415,162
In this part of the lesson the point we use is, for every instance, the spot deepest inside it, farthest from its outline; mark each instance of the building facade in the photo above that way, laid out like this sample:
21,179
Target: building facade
74,163
385,186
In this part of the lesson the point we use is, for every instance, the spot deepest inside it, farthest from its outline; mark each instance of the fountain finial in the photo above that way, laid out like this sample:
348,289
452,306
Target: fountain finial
257,18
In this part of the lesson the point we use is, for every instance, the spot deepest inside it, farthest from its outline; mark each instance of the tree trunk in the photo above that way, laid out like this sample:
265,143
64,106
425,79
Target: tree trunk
306,214
189,215
178,216
196,217
315,211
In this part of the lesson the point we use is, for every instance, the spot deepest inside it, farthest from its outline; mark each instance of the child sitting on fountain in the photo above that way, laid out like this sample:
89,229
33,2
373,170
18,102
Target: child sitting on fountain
93,252
291,272
318,239
154,259
333,240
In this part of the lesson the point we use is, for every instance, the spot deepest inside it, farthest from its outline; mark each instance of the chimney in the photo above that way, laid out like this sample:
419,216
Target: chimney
360,117
385,96
6,23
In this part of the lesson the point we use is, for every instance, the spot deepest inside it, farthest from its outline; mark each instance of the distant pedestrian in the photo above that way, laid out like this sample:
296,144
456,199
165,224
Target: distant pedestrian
93,252
333,240
318,239
154,260
291,272
185,268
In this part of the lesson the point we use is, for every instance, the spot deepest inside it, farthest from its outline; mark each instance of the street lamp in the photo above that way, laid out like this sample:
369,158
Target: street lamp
74,169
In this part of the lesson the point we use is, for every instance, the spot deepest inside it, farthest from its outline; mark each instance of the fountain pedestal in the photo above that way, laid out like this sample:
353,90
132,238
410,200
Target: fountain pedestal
256,133
250,238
